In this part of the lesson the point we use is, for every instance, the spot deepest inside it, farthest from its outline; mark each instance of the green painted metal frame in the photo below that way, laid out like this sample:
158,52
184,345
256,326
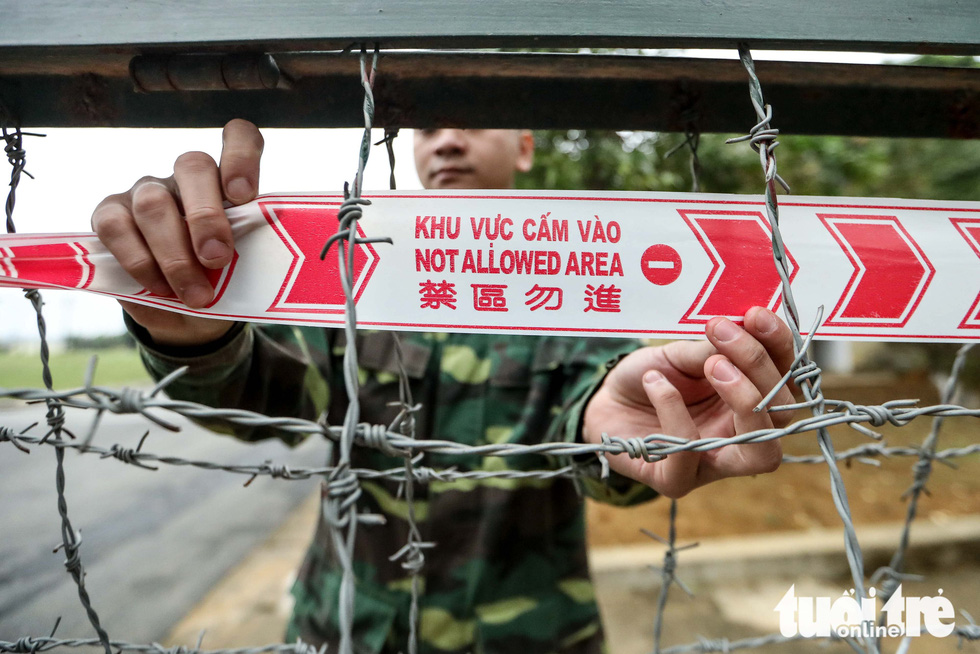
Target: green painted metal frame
939,26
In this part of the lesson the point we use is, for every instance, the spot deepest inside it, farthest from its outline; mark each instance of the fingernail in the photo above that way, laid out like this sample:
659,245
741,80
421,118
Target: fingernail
725,330
724,371
197,296
652,377
766,321
239,189
213,250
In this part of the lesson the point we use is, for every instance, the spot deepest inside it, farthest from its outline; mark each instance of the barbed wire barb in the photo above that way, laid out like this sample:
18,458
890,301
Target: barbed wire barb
798,371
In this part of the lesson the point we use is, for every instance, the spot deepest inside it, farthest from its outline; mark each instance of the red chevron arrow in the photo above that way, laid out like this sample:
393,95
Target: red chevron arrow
891,273
743,275
970,229
40,265
312,285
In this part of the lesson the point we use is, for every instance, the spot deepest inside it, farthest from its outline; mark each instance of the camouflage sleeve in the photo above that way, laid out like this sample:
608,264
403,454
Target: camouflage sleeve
589,363
274,370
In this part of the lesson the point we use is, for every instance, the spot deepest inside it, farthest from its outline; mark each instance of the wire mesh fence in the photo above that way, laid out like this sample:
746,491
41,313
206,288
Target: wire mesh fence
341,482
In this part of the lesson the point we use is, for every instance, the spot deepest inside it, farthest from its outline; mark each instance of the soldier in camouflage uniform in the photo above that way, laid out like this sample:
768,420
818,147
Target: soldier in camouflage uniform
509,570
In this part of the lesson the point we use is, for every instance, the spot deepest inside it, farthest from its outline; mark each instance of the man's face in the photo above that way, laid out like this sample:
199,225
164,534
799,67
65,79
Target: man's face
472,158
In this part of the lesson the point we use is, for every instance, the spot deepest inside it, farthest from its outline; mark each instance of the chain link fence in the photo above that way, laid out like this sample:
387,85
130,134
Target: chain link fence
341,483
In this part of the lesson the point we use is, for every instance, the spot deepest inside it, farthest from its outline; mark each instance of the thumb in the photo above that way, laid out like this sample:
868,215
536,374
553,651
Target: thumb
241,152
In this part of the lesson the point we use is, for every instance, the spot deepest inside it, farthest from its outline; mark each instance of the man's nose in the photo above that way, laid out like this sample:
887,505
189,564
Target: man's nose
450,142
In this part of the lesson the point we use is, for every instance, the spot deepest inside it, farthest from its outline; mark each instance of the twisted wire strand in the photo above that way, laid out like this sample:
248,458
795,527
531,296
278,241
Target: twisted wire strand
391,133
763,138
412,555
692,139
867,454
964,632
70,539
969,631
32,645
723,645
652,446
668,573
922,470
13,139
343,488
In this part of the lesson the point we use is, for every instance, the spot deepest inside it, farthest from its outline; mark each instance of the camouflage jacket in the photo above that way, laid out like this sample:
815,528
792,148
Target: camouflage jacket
509,571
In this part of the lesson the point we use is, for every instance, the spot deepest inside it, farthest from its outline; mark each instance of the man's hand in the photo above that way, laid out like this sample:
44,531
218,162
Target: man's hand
698,390
167,232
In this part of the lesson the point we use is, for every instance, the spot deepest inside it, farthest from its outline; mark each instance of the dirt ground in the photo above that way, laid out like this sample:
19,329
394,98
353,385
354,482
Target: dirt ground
797,496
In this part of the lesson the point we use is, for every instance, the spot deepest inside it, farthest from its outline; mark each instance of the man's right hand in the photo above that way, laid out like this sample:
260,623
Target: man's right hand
167,232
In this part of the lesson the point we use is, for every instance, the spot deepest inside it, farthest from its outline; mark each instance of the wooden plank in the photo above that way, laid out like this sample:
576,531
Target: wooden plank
919,26
516,90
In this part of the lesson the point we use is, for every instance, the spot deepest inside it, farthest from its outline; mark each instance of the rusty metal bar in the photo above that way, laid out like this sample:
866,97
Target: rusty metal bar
467,89
205,72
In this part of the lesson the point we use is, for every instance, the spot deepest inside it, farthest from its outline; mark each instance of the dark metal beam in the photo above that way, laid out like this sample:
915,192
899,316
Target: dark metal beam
495,90
917,26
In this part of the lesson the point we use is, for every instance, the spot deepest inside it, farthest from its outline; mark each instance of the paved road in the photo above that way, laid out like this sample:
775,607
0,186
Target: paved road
152,542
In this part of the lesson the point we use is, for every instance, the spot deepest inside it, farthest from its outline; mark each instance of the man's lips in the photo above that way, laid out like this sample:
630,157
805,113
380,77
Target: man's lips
451,172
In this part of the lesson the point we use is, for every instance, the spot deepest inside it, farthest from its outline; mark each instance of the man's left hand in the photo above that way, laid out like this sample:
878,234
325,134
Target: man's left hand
698,389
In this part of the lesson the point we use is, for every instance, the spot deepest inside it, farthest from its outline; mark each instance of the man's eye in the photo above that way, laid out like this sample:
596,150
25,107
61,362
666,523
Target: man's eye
427,131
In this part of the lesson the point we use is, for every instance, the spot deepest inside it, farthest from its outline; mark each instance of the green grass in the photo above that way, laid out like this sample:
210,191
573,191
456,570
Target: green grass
116,367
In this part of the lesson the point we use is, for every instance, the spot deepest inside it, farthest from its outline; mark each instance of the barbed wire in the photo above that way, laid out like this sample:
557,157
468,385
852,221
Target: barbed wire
807,375
922,470
763,137
43,644
668,572
341,485
969,631
386,439
652,447
70,539
342,489
13,140
690,116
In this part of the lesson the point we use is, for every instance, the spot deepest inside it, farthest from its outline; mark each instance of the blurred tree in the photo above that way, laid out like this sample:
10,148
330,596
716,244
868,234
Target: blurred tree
812,165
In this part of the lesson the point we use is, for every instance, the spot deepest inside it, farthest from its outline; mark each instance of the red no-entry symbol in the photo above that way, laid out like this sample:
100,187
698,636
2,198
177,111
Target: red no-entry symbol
661,264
